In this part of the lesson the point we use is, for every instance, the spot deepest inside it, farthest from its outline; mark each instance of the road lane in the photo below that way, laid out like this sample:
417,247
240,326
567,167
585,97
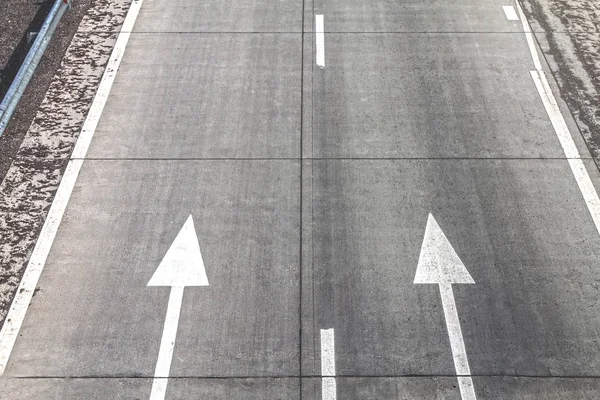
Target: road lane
527,240
209,95
487,160
415,16
94,314
428,96
159,16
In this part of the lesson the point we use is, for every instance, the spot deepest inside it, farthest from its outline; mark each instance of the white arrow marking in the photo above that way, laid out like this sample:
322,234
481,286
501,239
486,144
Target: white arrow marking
439,264
182,266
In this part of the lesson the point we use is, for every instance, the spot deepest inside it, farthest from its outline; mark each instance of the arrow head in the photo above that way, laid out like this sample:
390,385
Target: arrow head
182,265
438,262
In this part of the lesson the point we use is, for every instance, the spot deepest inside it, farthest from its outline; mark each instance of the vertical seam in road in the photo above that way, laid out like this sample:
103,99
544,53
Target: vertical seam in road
301,205
312,186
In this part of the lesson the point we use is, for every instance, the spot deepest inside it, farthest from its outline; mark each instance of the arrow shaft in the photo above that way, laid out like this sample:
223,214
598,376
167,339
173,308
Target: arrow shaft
459,354
167,345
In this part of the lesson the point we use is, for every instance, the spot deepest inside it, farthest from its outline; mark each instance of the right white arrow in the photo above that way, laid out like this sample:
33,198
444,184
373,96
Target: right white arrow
181,266
439,264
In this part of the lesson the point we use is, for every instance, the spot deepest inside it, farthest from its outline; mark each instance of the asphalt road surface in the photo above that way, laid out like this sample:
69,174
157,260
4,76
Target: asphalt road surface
390,204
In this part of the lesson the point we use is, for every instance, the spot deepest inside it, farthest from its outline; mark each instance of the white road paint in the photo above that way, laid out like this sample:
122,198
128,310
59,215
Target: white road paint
461,362
510,13
167,345
181,266
439,264
320,35
566,140
529,37
18,309
328,386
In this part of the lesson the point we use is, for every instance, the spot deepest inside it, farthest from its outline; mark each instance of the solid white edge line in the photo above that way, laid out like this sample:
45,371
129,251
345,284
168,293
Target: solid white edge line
328,385
18,309
566,140
529,37
320,36
510,13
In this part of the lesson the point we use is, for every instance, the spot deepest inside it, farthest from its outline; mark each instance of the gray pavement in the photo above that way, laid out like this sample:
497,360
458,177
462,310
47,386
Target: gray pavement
205,96
310,190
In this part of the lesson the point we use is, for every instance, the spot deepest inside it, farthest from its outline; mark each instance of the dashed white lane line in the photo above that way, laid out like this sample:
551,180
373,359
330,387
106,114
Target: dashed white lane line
564,136
320,35
529,37
18,309
510,13
328,386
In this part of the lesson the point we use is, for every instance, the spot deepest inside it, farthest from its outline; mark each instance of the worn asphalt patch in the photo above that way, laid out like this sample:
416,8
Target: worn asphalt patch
33,177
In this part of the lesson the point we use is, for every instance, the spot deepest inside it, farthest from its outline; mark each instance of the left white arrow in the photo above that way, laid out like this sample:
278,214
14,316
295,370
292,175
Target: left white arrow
182,266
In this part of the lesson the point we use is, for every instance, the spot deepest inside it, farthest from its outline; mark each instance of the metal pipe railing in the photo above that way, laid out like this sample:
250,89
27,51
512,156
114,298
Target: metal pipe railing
19,84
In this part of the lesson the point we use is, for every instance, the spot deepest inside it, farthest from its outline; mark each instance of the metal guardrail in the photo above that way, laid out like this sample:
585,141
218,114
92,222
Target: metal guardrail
14,93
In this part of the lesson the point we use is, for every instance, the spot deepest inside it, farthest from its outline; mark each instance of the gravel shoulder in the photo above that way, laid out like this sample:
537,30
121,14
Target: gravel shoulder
42,149
568,32
17,18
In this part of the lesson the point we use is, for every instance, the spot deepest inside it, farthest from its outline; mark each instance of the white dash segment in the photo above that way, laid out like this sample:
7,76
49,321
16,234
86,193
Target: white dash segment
529,37
510,13
328,385
566,140
18,309
320,35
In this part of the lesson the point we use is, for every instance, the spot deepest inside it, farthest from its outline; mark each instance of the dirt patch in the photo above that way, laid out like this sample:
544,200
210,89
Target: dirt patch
17,19
28,188
568,32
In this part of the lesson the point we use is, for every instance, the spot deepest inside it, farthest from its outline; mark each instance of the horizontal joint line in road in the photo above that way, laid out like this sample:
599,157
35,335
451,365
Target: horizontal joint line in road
339,158
335,32
312,376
